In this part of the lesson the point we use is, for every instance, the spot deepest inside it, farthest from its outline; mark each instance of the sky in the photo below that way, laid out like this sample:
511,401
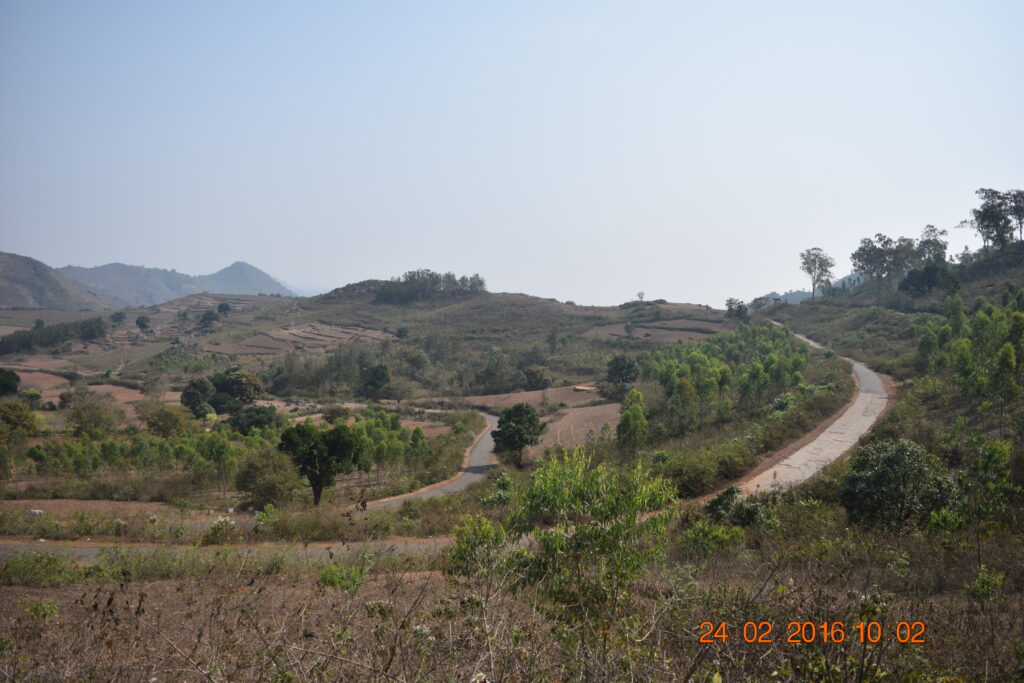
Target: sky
578,150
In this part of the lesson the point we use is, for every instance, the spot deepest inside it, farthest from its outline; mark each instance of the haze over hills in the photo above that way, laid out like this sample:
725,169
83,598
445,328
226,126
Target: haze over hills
28,283
141,286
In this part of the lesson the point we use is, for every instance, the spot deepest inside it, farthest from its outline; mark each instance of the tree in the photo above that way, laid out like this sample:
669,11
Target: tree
268,478
117,318
9,381
374,380
209,318
320,456
143,322
622,369
240,384
991,219
894,482
94,415
255,417
592,535
224,308
536,377
632,430
818,266
735,308
163,420
1014,202
196,393
518,427
15,417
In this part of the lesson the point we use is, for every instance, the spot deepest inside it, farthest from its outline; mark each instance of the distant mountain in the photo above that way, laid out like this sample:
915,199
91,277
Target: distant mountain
28,283
140,286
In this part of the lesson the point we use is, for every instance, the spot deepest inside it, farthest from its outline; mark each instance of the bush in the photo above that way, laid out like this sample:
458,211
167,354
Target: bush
893,482
348,579
37,569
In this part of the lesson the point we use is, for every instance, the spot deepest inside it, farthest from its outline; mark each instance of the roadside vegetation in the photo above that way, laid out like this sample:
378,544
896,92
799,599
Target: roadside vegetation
630,555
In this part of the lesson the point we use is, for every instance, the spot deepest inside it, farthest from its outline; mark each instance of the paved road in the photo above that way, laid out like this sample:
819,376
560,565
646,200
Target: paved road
871,400
481,461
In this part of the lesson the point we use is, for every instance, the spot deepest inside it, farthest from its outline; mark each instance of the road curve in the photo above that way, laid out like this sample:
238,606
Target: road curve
479,462
870,402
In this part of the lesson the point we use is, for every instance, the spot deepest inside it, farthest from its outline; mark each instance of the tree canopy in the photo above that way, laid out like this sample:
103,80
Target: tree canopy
518,427
818,266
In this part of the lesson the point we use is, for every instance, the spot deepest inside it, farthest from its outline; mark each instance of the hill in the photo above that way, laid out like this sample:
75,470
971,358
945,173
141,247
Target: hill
28,283
141,286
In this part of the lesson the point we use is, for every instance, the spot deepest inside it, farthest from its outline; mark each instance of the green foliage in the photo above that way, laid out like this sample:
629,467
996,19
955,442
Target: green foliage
93,414
591,537
346,578
143,322
891,483
518,427
478,546
41,610
220,532
196,393
256,417
37,569
16,418
632,431
421,285
622,370
164,420
321,455
818,267
268,478
9,381
986,585
24,341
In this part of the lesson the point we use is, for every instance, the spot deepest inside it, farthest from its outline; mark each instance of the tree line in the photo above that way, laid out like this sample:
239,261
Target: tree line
425,284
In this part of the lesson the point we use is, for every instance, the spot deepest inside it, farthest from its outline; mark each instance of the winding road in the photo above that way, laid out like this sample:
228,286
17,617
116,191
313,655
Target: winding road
870,401
478,462
843,430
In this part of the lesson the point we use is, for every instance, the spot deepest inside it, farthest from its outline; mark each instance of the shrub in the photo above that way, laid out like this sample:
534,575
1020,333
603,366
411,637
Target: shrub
893,482
220,532
38,569
348,579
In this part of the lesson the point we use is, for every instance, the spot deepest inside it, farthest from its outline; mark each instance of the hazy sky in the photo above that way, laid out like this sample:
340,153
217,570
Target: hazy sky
578,150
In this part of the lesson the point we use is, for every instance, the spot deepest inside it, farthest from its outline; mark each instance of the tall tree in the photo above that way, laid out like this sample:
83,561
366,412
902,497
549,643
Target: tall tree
1014,201
991,219
818,266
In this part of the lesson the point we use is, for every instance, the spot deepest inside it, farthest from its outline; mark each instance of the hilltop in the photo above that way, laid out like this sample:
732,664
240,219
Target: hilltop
28,283
142,286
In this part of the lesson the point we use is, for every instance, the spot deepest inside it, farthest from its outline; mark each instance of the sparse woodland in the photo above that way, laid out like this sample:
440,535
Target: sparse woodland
628,556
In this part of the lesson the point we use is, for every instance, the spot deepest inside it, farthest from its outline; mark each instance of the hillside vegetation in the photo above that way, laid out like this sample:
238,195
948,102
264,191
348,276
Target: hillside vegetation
28,283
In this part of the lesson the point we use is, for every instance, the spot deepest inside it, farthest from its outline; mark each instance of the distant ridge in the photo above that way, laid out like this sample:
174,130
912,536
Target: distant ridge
28,283
141,286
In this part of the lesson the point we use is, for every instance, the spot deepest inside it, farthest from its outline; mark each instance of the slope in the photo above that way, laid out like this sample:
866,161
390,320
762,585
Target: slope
28,283
141,286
